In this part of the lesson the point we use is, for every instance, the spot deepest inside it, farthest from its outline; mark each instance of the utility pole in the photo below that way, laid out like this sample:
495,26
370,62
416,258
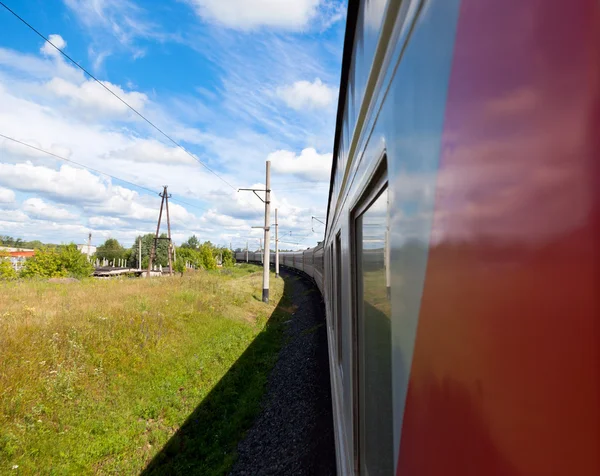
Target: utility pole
166,197
266,256
164,201
246,251
89,250
140,253
276,247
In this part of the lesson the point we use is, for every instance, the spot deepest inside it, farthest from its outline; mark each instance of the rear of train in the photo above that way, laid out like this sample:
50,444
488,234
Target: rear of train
461,259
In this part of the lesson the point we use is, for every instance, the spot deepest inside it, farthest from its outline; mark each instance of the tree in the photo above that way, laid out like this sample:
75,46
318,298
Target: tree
207,257
57,262
6,268
111,250
192,242
44,264
228,260
160,258
179,265
74,262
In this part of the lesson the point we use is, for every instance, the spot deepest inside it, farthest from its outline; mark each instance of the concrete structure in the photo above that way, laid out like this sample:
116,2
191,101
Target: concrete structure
87,249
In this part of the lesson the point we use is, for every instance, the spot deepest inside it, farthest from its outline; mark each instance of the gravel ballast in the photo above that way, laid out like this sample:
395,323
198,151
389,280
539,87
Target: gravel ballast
293,434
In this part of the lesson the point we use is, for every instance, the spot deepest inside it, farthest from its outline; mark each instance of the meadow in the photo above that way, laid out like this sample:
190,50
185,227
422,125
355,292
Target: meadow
98,376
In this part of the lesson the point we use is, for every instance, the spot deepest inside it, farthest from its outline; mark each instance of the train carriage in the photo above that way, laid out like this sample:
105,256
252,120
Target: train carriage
461,266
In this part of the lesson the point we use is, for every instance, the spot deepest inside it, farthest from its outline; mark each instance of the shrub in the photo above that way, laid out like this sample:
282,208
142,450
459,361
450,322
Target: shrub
6,269
228,258
179,266
74,262
44,264
57,263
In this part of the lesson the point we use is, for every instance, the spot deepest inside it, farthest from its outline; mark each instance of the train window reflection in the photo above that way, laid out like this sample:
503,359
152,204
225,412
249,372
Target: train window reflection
374,310
338,295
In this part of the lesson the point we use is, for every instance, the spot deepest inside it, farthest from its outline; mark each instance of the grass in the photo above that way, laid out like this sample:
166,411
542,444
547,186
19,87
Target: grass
97,376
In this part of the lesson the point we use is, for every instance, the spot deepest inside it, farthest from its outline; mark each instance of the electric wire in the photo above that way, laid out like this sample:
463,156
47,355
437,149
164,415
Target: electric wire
116,95
158,129
95,170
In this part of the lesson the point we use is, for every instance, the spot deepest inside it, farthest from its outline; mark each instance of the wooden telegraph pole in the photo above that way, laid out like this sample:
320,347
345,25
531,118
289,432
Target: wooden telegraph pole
170,249
164,201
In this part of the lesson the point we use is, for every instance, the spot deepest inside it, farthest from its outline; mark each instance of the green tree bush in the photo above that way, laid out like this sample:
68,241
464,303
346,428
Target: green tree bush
111,250
179,266
74,262
6,268
44,264
57,263
207,257
160,258
228,259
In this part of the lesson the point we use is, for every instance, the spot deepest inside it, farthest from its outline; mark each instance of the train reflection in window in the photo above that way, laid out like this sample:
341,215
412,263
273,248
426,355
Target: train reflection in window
374,310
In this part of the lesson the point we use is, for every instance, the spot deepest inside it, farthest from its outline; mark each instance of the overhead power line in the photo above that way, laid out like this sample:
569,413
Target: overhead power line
94,170
116,95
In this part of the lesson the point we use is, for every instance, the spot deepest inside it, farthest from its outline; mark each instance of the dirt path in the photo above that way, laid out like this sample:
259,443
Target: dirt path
293,435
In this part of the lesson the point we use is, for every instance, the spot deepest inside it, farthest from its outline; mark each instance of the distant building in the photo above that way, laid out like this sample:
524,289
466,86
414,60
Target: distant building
17,256
87,249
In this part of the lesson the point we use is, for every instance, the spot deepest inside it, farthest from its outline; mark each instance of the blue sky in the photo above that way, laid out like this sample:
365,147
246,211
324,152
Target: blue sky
236,82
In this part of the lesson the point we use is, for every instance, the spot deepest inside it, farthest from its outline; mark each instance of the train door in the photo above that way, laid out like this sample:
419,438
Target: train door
373,365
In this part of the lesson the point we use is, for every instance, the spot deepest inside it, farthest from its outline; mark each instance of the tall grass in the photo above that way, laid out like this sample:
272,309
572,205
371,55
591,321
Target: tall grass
96,376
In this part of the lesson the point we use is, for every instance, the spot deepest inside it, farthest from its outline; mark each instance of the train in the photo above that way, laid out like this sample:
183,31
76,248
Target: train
460,266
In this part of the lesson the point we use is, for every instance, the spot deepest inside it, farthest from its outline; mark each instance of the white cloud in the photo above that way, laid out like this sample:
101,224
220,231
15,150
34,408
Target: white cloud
12,217
307,95
309,164
123,19
91,97
59,111
249,14
19,150
57,41
149,150
38,208
6,196
68,183
106,222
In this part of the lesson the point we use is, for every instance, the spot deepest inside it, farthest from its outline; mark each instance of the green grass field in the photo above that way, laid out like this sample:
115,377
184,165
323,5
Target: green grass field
99,376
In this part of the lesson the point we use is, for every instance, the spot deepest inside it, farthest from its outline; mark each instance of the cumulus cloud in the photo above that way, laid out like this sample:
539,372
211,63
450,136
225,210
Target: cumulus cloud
38,208
57,41
307,95
90,96
8,218
68,183
6,196
309,164
249,14
106,222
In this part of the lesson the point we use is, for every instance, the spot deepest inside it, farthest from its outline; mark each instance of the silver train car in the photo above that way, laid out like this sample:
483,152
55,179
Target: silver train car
459,266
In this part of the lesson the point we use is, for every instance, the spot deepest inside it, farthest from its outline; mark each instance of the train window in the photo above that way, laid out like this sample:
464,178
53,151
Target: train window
331,285
374,332
338,296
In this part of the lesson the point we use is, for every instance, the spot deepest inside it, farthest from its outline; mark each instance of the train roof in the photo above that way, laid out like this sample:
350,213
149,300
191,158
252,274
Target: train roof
351,19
